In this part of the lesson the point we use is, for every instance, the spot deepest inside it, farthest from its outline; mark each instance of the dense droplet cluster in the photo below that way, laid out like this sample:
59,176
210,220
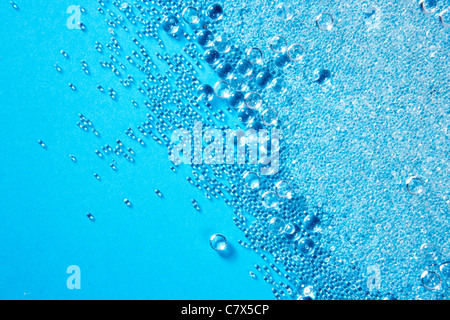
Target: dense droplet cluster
363,159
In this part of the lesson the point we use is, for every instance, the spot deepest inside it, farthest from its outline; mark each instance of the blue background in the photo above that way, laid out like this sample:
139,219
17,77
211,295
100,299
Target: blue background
159,249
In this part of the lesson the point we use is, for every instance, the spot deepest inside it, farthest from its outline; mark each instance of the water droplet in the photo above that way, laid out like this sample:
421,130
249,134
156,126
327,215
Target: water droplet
191,15
253,100
254,55
224,70
43,145
444,17
269,117
211,56
431,280
312,223
278,44
218,242
295,52
251,179
205,38
205,92
222,89
270,199
128,202
415,185
215,11
428,6
170,24
14,5
90,216
283,189
277,225
244,67
306,246
325,21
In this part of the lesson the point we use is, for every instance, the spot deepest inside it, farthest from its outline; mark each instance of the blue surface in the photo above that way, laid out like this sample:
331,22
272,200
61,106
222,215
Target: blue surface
159,249
365,148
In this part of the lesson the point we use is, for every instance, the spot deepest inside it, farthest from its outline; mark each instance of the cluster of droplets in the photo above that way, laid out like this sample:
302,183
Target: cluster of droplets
251,88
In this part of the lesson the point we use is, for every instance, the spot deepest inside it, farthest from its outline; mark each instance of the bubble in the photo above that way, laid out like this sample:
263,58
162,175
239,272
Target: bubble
42,144
277,225
431,280
290,229
205,92
215,11
253,100
295,52
306,246
428,6
170,24
190,15
415,185
284,11
444,18
158,193
128,202
205,38
252,274
211,56
222,89
270,199
244,67
282,60
283,189
312,223
239,83
222,44
224,70
254,55
236,99
90,216
263,79
218,242
251,179
72,157
278,44
325,21
444,269
269,117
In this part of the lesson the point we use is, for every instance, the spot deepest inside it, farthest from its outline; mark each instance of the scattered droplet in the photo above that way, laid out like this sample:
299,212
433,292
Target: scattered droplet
325,21
218,242
431,280
270,199
415,185
251,179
